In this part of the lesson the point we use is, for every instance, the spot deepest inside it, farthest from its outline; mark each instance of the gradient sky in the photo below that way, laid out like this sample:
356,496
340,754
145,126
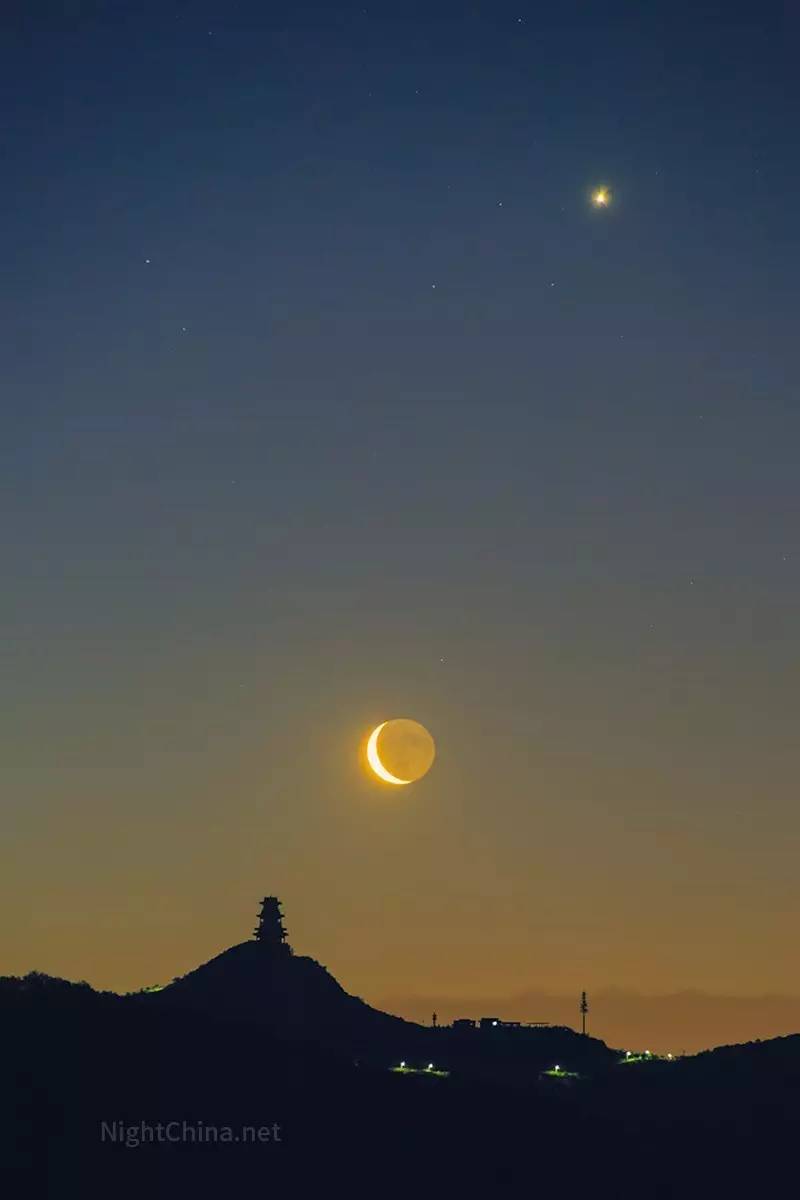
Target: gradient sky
327,398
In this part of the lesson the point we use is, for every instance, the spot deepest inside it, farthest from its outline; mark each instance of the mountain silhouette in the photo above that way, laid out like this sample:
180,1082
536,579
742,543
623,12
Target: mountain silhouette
258,1034
292,996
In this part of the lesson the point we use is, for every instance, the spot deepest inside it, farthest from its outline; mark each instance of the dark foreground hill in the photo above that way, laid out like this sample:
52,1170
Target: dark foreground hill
295,998
89,1079
291,995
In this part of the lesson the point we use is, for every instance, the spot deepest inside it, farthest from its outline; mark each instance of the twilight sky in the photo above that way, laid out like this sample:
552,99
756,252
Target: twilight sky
327,398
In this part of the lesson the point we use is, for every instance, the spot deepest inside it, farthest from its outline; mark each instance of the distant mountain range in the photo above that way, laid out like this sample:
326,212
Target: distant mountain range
682,1022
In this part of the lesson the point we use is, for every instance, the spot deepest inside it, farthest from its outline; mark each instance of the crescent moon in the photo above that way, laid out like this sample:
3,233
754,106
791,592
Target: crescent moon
373,758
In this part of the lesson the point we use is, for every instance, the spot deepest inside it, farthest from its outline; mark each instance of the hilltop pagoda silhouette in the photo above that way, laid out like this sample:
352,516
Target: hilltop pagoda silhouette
270,932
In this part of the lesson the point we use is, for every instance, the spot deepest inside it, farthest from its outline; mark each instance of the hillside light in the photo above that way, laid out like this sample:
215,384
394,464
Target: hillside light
627,1053
402,1064
556,1067
430,1066
494,1022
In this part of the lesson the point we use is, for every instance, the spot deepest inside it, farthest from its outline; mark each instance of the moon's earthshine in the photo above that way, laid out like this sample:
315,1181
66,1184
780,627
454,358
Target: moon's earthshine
400,751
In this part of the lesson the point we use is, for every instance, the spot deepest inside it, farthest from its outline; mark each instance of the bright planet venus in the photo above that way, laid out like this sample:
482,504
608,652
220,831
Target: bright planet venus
400,751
